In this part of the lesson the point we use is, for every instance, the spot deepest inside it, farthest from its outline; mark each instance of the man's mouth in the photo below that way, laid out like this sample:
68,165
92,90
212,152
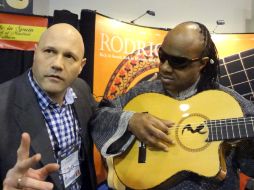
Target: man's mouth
166,78
54,77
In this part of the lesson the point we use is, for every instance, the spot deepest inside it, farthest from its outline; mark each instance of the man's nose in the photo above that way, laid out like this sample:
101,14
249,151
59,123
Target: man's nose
166,66
58,62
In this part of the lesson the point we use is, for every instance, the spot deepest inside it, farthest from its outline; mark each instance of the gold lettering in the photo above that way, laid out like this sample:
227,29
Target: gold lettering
104,42
118,44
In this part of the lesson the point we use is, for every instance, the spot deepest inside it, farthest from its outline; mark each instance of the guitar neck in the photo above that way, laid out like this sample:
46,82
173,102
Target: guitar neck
229,129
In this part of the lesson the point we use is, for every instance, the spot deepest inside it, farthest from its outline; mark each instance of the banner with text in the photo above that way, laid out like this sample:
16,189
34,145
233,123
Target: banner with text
21,32
124,55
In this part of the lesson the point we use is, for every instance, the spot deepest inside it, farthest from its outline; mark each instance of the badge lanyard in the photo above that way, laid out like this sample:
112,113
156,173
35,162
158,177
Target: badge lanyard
69,160
75,135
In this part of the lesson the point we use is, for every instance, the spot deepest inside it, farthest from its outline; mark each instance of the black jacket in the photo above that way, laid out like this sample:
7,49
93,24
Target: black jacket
20,112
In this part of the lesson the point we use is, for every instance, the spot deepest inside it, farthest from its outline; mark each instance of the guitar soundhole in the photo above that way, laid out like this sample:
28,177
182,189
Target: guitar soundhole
192,132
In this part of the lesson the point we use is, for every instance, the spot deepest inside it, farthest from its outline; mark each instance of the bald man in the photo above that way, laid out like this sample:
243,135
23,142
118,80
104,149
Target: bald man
189,65
49,107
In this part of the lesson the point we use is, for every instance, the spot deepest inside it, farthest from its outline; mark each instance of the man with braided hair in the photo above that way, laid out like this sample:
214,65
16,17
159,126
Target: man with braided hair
189,64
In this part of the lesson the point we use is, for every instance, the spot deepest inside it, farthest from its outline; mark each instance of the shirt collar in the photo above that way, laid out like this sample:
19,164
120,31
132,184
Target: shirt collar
43,99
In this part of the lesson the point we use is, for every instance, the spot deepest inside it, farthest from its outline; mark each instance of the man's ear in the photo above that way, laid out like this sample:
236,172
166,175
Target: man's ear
35,48
83,62
204,62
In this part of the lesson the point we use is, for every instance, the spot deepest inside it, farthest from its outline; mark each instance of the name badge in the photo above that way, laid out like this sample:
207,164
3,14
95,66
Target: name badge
70,168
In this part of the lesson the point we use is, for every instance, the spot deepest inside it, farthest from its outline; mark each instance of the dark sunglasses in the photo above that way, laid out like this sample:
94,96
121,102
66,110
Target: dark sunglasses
175,62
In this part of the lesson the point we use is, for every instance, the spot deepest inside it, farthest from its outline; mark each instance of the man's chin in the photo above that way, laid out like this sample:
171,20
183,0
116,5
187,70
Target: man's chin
169,88
54,91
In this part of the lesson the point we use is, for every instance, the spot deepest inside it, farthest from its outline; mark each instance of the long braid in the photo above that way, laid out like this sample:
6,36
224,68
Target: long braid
210,74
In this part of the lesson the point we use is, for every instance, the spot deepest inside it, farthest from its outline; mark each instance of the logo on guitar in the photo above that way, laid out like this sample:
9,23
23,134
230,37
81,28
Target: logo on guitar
192,127
197,130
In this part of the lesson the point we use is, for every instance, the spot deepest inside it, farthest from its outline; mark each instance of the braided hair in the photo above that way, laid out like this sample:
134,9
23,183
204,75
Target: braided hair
210,73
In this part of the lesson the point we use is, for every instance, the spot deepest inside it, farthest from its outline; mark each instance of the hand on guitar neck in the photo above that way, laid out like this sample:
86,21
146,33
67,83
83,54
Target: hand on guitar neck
151,130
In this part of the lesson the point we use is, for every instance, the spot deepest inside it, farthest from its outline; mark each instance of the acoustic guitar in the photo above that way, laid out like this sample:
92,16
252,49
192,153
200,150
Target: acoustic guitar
18,4
202,123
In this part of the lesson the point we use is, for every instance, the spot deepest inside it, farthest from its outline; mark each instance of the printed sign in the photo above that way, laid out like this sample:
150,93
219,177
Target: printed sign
20,32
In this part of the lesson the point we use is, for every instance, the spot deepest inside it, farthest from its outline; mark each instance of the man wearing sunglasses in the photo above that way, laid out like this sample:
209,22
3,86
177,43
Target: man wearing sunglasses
189,64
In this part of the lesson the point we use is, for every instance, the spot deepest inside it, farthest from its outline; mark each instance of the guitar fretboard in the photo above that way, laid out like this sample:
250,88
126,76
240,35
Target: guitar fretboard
237,72
233,128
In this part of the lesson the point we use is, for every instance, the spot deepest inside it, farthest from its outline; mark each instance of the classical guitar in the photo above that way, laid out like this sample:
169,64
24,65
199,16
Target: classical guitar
18,4
202,122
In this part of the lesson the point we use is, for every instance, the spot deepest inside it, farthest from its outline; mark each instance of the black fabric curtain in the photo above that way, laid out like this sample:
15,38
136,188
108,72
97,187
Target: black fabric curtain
65,16
14,63
87,30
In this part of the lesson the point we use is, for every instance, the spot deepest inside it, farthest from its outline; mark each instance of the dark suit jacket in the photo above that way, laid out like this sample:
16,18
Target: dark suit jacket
20,112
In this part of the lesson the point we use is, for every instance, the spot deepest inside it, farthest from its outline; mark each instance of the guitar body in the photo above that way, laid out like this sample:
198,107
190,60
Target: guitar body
190,152
18,4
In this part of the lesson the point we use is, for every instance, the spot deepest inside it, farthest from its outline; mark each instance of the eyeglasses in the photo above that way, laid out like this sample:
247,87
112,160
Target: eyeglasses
176,62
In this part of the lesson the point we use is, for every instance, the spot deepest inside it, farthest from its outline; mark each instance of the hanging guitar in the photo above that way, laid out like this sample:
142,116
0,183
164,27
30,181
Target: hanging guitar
18,4
202,122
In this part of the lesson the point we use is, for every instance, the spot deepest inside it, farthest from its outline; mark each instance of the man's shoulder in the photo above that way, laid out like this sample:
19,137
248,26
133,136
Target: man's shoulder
149,86
231,92
18,79
247,105
16,90
11,84
80,84
141,88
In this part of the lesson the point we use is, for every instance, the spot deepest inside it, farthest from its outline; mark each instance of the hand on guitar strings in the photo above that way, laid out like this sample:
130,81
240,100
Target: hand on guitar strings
151,130
22,176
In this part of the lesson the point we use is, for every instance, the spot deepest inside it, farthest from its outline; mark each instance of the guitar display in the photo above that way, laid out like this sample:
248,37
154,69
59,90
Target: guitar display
202,123
18,4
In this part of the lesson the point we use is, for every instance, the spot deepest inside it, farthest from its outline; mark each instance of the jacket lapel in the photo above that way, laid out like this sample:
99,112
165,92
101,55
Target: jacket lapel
79,106
84,111
31,120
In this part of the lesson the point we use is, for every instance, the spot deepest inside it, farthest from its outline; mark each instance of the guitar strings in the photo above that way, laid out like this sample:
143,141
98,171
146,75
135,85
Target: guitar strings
218,136
213,126
229,121
219,124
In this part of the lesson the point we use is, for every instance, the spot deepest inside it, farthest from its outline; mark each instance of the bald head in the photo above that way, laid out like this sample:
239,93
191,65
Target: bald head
184,40
66,33
58,60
